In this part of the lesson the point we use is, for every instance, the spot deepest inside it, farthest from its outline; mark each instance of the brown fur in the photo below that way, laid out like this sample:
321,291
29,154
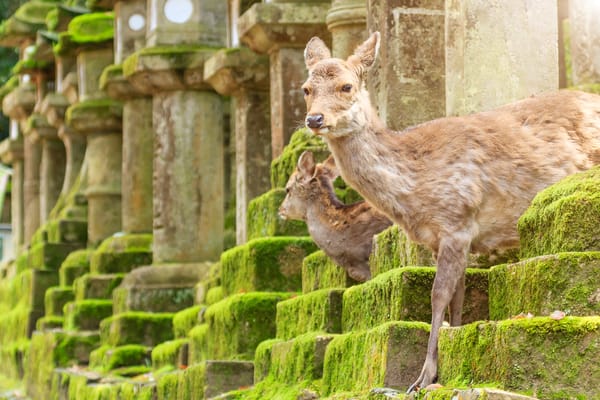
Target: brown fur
457,184
343,232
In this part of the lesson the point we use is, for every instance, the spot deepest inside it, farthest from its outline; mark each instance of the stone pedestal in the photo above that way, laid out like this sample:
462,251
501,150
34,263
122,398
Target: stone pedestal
407,81
498,52
282,30
245,76
585,41
11,152
347,22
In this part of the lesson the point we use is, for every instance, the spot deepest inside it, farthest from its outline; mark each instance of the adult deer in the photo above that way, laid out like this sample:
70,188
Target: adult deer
456,184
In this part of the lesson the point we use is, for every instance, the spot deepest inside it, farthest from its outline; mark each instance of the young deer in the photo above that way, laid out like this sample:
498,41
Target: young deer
457,184
343,232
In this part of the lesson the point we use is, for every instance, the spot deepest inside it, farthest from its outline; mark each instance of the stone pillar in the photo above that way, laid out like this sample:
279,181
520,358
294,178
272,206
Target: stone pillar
245,76
347,22
407,81
11,152
498,51
281,30
584,16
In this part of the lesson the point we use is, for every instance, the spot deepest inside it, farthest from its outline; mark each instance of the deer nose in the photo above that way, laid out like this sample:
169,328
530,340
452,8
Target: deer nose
314,121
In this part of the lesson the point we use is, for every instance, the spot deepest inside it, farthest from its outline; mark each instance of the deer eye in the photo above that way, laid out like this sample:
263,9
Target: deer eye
306,91
287,190
347,88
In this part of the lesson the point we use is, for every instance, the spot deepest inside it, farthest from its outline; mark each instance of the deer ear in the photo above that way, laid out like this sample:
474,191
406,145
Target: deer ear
365,55
315,51
306,164
330,169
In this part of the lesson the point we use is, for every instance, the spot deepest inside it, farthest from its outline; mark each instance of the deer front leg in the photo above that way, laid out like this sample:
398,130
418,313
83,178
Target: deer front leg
451,264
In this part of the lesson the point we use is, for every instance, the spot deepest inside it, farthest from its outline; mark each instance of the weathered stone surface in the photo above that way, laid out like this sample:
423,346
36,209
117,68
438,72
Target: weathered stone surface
46,255
224,376
390,355
497,53
299,359
186,319
548,358
319,311
129,37
563,217
96,286
40,281
263,219
347,22
11,152
269,264
31,187
540,285
76,264
122,253
148,329
90,64
320,272
55,299
585,39
404,294
18,104
107,358
172,353
86,314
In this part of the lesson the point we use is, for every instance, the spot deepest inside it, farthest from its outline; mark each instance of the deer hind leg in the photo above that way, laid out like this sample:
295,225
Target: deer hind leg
456,304
451,264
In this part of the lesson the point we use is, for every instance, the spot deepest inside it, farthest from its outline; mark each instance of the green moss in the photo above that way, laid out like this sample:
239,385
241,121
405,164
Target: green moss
166,386
565,281
100,108
392,249
271,389
214,295
264,221
362,360
76,264
137,328
404,294
50,255
168,354
563,217
319,311
262,359
131,390
198,350
239,323
320,272
86,314
56,298
124,356
273,264
9,86
185,320
91,286
589,87
544,357
122,254
92,28
34,13
110,73
49,322
283,166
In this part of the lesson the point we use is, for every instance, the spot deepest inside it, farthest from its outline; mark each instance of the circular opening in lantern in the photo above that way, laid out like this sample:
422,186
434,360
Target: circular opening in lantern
179,11
136,22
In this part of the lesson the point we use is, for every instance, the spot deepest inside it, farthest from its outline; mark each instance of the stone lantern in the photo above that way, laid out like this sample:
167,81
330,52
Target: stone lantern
585,44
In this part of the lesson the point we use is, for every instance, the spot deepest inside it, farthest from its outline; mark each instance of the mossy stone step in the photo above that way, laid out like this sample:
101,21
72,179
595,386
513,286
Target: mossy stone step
49,322
320,272
563,217
390,355
66,230
93,286
86,314
443,393
215,295
319,311
55,299
205,381
268,264
122,253
107,358
18,323
566,281
50,255
148,329
236,325
264,221
75,265
392,249
296,360
186,319
172,353
548,358
404,294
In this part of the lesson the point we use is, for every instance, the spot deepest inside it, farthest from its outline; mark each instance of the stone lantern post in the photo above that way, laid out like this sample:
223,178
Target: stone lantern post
585,43
281,30
11,153
347,22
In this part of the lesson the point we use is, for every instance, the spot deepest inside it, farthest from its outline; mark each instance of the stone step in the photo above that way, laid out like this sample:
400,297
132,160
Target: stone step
442,393
319,311
106,358
50,255
86,314
235,326
49,322
546,357
264,220
390,355
568,282
267,264
404,294
75,265
67,230
186,319
320,272
96,286
55,299
172,353
122,253
144,328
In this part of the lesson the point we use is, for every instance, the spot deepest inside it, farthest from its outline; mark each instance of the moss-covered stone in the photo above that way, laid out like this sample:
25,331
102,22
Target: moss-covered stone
49,322
320,272
13,356
153,299
122,254
108,358
392,249
92,28
91,286
18,323
198,345
86,314
41,280
270,264
239,323
214,295
550,359
566,281
75,265
390,355
319,311
68,230
95,114
186,319
262,359
169,354
563,217
132,390
55,299
50,255
404,294
263,217
148,329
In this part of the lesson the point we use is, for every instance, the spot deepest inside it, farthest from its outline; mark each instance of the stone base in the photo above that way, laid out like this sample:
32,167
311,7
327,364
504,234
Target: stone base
86,314
55,299
143,328
173,354
264,221
75,265
68,231
91,286
50,255
186,319
107,358
122,254
320,272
